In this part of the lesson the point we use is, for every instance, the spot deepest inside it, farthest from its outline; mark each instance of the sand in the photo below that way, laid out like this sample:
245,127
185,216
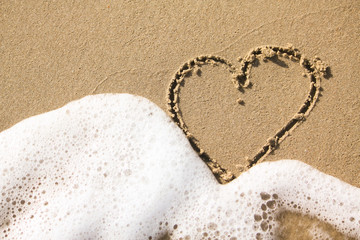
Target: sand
54,52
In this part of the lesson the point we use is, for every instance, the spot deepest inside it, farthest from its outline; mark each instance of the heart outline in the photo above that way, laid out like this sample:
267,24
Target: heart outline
241,79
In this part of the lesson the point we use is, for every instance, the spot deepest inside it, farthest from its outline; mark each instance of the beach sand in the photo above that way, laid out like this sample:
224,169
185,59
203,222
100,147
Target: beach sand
55,52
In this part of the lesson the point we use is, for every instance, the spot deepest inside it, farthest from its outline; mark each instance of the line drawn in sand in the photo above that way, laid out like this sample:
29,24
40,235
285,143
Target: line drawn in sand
314,70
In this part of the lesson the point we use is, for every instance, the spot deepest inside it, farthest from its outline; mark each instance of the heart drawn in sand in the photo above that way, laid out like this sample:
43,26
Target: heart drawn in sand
314,69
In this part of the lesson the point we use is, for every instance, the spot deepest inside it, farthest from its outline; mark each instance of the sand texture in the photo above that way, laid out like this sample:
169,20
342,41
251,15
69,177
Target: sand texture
54,52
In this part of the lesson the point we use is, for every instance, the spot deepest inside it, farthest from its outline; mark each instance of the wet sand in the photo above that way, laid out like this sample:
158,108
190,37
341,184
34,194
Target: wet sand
52,53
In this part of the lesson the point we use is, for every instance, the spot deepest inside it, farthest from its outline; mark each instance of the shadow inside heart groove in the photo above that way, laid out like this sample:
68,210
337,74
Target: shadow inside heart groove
241,80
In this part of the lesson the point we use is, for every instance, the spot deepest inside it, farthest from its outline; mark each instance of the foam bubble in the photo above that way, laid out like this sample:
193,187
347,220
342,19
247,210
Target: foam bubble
115,166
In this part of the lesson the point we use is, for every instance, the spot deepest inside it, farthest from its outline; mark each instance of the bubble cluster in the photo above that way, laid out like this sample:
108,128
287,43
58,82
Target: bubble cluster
115,166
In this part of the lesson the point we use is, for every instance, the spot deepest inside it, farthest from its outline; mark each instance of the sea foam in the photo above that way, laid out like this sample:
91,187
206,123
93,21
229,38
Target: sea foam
115,166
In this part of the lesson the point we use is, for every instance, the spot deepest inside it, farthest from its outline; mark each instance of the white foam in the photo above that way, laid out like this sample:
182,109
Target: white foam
116,167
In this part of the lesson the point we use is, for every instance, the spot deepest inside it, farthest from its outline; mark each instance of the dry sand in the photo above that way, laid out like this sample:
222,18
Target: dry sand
53,52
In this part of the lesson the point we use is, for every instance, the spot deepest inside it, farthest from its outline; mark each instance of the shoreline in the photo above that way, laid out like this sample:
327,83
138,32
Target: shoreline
53,53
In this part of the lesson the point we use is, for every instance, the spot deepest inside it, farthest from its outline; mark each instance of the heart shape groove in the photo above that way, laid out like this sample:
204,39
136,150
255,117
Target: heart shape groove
314,69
